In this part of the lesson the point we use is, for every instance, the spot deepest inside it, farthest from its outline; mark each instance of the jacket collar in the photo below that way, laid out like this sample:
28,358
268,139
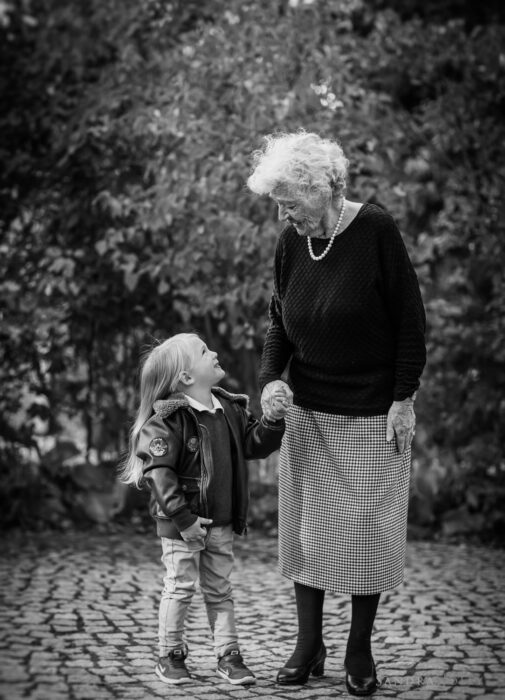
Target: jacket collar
165,407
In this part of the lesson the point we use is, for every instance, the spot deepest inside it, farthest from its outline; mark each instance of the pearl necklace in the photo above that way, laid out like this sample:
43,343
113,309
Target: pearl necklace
333,236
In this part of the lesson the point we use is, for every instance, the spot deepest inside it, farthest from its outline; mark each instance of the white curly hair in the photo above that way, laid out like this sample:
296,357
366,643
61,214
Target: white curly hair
300,160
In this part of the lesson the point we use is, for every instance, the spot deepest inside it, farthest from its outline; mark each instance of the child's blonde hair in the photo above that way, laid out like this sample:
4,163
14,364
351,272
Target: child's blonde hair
159,377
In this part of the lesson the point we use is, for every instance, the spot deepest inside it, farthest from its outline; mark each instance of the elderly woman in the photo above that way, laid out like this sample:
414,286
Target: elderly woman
347,331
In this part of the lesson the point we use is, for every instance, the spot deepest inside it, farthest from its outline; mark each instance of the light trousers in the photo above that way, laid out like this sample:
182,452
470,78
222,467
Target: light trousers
208,561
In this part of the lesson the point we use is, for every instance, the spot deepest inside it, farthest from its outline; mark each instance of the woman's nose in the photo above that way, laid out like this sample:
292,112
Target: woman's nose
283,214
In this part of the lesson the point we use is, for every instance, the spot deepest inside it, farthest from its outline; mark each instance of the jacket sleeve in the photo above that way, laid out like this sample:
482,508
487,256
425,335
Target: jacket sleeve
277,348
405,309
260,437
159,447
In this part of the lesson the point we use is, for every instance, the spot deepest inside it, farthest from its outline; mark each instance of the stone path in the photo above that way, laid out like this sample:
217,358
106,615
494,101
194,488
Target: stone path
78,621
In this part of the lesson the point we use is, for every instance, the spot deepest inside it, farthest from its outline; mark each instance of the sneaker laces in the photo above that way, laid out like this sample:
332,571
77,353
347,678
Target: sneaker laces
234,657
178,656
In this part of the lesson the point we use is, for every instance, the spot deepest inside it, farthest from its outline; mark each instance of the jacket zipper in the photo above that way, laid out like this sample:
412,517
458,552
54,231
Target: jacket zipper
205,474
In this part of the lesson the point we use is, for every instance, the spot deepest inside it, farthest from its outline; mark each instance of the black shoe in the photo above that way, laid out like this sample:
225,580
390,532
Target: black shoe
300,674
361,685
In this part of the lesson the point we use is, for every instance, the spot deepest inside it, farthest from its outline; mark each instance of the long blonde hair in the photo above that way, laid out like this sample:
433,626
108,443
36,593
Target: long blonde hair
159,377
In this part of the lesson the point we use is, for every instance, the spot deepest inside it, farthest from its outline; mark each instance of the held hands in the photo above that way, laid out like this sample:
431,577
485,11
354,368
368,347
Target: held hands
276,398
401,422
196,531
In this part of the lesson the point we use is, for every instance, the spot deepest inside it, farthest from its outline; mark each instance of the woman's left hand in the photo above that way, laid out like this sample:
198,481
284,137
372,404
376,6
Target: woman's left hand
401,422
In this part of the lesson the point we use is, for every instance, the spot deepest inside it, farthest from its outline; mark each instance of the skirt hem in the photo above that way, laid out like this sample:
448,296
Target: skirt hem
342,590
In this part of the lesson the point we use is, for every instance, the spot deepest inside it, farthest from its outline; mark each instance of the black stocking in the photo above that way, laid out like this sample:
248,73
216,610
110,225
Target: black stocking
309,605
358,657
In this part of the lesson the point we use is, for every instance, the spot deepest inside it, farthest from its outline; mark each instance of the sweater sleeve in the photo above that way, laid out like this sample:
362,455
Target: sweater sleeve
277,349
405,310
261,437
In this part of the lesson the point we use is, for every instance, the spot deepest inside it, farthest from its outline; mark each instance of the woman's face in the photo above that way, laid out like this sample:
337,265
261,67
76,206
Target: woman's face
304,210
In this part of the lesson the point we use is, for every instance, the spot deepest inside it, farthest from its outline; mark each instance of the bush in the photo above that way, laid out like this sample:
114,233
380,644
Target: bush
124,214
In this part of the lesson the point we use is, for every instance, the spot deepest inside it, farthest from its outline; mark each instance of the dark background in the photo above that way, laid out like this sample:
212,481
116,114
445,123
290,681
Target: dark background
126,129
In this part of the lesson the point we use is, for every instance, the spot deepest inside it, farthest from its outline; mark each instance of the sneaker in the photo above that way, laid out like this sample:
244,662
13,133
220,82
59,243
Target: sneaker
172,669
231,666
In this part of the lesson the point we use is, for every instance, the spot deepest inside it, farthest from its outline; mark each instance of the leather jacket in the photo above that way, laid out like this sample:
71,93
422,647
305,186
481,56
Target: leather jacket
177,459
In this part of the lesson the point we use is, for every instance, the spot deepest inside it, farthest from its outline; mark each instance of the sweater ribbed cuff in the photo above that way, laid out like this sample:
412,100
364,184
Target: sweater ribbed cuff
184,519
272,425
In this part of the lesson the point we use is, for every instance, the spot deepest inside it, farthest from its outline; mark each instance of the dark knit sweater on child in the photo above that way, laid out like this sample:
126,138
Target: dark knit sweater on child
351,326
220,487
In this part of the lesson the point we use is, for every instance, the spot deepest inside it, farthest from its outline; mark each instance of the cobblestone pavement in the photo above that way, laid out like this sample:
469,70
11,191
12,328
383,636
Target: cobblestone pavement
79,615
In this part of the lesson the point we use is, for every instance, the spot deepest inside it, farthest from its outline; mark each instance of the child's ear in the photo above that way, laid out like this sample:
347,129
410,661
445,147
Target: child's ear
185,378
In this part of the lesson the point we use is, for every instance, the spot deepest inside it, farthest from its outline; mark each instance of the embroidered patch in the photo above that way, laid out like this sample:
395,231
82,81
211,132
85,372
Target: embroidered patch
158,447
192,444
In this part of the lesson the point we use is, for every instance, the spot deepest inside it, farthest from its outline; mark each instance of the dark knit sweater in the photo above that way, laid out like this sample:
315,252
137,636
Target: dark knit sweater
351,325
220,488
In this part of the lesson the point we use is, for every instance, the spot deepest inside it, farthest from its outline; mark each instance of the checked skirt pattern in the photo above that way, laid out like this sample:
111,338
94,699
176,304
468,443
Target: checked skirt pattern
343,500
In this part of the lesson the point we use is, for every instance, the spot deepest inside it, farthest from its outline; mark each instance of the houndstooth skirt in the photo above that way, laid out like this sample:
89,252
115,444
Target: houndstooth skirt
343,501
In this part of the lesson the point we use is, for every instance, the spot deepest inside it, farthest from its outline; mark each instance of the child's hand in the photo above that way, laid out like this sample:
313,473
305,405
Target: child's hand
279,406
196,531
276,399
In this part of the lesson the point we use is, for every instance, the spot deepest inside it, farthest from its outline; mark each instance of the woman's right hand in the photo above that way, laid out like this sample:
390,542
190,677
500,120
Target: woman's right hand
276,397
197,531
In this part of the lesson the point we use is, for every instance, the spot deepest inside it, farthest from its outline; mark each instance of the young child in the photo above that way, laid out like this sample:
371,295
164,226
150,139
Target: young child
189,444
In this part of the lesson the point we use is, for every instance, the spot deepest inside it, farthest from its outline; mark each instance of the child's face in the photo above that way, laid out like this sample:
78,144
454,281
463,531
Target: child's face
205,369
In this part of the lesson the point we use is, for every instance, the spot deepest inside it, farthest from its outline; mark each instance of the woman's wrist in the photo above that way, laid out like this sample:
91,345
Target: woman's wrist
407,399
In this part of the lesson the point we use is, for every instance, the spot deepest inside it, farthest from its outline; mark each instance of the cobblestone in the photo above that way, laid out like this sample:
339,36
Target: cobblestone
78,620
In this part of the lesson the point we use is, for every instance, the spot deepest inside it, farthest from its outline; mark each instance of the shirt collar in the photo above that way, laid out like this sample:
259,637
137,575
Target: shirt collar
216,404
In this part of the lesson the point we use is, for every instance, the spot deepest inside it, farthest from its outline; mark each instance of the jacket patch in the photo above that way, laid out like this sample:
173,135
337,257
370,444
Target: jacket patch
158,447
192,444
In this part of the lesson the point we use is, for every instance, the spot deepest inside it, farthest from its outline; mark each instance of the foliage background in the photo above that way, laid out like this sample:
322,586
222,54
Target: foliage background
126,132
